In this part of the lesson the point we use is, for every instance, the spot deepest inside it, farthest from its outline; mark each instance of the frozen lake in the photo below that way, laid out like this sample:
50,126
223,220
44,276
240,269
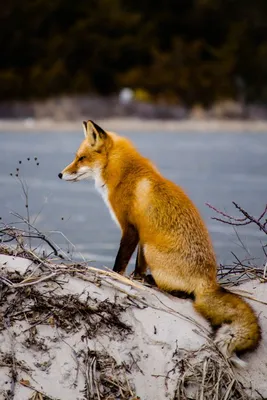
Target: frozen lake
215,168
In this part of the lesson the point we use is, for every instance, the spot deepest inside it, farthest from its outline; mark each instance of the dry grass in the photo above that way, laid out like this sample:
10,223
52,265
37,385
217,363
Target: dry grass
105,378
202,375
199,375
22,300
205,375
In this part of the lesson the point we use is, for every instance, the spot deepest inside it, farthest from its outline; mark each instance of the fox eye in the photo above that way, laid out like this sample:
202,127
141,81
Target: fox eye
81,158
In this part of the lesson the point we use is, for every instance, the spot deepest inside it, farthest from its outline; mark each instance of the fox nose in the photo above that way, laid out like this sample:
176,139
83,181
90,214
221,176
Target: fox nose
60,175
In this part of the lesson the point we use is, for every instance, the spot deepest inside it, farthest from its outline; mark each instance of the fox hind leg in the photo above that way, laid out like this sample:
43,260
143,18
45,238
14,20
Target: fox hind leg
141,267
140,263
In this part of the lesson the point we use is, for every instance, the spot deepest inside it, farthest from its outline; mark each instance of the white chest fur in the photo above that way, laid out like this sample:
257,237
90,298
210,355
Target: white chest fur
103,190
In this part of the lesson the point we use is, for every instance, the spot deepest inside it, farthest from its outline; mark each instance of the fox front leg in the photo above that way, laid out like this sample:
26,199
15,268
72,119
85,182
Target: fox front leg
129,241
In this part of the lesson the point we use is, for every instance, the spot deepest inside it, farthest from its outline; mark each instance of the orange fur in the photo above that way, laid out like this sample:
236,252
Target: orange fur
174,241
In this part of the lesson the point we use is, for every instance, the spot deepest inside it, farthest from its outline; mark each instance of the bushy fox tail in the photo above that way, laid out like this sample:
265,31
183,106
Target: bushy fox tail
237,328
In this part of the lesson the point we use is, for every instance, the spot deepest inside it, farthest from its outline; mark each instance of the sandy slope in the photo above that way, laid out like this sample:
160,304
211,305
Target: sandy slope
66,351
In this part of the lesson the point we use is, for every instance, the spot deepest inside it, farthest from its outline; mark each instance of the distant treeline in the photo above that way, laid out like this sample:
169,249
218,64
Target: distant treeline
181,51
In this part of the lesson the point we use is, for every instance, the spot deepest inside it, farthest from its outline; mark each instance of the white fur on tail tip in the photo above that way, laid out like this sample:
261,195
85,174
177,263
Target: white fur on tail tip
237,362
225,337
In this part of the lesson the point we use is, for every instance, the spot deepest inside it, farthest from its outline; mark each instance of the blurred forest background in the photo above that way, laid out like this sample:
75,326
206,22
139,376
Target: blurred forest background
182,52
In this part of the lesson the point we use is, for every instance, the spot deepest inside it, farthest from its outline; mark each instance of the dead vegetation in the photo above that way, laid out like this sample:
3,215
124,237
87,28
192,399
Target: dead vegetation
204,375
67,312
37,297
22,300
200,375
105,379
247,268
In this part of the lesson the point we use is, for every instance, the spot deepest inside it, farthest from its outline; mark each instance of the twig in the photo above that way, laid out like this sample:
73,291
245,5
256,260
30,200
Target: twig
39,235
95,380
135,362
14,374
68,241
39,391
265,271
25,191
38,322
229,389
225,215
246,220
32,281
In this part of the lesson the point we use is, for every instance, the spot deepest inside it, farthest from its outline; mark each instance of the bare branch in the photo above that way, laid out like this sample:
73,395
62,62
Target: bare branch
246,220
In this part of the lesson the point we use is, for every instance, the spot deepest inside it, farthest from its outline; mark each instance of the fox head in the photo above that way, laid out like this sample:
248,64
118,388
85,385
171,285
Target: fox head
91,155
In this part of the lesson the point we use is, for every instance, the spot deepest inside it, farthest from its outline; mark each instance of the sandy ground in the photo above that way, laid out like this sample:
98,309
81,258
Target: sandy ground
129,124
57,340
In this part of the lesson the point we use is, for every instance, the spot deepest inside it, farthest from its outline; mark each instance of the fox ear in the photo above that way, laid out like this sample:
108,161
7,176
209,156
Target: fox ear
93,133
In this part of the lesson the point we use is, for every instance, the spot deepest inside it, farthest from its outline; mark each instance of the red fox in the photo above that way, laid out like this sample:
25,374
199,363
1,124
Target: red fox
173,240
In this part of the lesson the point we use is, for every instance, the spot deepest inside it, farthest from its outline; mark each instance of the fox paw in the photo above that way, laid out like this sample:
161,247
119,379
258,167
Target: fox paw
143,278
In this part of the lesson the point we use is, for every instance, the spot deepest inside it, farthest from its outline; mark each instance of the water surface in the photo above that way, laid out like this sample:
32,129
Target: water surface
215,168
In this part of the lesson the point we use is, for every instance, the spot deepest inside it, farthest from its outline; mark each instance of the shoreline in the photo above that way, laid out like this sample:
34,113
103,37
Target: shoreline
133,124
